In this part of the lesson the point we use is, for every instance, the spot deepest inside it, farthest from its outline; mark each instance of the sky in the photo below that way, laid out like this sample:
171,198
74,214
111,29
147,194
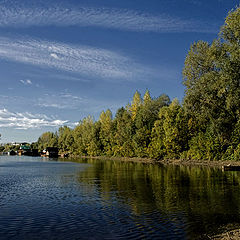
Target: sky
62,60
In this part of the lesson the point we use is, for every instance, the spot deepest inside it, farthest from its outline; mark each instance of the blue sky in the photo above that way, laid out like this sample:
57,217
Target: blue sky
61,61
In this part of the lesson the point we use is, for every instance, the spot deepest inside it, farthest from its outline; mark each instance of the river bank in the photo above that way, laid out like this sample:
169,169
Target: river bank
228,235
180,162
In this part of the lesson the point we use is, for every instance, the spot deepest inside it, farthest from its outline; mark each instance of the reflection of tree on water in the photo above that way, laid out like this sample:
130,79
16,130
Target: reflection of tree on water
203,198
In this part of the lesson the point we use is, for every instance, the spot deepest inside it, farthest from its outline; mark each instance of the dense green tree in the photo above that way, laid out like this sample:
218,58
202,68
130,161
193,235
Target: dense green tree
148,113
124,130
106,132
170,134
212,100
47,139
2,148
230,35
8,147
78,147
86,137
146,116
65,139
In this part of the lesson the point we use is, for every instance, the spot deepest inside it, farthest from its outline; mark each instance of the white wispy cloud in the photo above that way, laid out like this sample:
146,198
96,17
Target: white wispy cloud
84,60
27,120
16,14
54,55
26,82
83,105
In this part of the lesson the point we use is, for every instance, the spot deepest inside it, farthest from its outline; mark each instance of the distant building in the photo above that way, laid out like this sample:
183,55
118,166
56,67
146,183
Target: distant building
24,144
24,150
15,144
12,152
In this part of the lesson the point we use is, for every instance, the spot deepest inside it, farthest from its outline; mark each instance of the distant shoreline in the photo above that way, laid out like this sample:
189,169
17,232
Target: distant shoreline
177,162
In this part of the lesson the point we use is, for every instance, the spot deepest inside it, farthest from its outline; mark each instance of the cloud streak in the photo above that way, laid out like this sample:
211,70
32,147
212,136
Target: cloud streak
60,101
27,120
87,61
12,14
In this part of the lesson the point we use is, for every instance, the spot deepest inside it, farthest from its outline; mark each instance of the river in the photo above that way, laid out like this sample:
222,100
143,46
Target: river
104,199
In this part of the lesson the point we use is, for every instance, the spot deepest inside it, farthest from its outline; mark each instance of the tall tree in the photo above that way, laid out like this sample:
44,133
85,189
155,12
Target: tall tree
147,97
135,105
106,131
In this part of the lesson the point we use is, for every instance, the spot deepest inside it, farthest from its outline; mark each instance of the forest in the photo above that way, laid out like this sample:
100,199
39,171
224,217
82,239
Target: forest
205,126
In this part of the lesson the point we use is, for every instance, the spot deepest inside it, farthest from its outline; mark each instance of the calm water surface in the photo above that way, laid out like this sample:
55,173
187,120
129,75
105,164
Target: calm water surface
97,199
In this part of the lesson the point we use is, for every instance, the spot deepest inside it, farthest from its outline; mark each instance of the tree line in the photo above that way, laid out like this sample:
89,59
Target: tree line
205,126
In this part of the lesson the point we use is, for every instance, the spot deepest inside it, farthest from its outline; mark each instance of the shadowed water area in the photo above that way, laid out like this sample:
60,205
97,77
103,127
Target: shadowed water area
105,199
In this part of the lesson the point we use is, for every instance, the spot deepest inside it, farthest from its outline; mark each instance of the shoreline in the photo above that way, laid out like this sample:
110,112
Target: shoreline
228,235
177,162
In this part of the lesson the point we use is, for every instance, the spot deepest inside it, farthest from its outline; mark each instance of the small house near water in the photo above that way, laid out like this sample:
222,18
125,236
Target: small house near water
51,152
24,150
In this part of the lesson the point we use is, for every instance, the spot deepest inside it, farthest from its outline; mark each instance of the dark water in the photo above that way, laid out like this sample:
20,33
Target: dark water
96,199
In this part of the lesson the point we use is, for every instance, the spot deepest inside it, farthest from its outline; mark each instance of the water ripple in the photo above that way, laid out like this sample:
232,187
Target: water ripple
67,200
